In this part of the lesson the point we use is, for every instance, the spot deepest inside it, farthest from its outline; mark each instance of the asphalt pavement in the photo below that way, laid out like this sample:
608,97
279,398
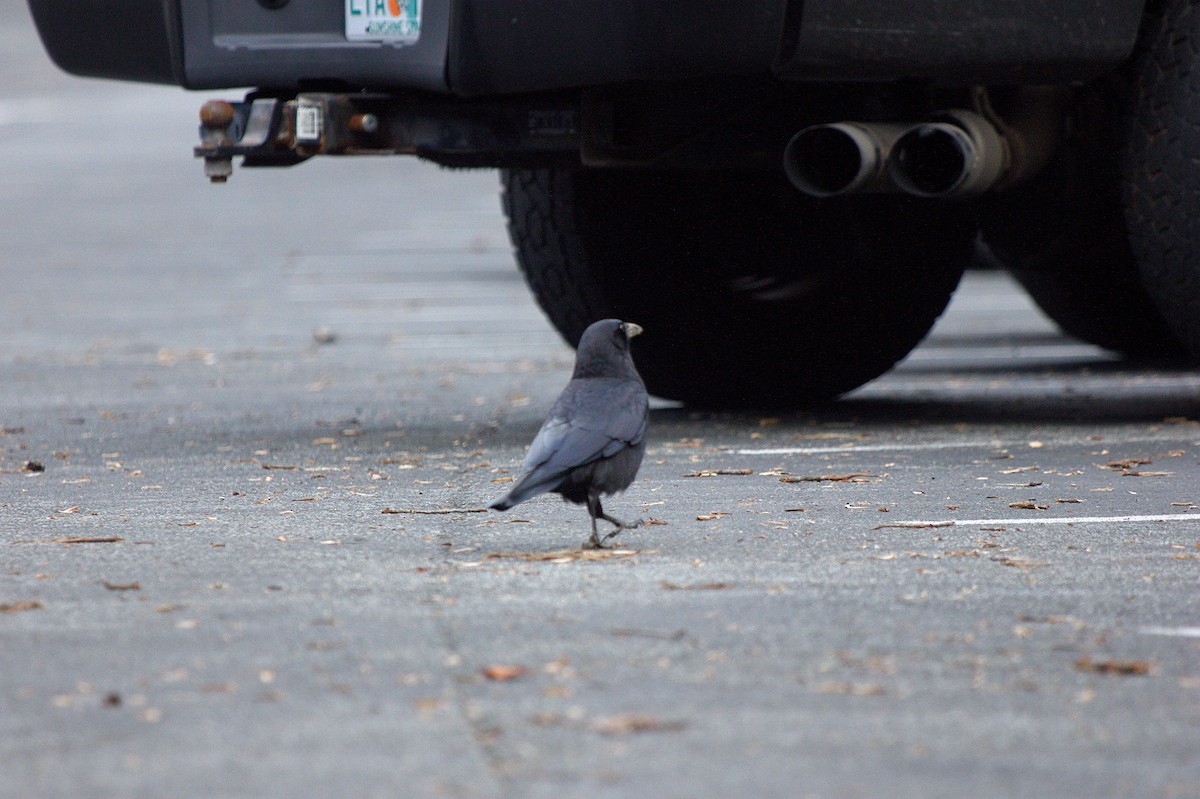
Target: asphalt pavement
246,432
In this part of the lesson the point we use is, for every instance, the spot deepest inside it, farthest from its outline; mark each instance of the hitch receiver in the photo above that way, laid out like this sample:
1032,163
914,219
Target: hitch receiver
273,131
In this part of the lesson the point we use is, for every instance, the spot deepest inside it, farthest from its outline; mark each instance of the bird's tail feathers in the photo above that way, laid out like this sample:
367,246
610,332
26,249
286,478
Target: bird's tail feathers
504,503
527,487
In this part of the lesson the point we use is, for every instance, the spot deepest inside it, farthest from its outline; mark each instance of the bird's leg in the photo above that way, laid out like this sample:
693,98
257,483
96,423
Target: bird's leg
594,542
596,511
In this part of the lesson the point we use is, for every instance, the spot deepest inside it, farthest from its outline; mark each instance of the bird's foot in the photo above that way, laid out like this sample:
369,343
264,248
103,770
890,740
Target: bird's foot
596,542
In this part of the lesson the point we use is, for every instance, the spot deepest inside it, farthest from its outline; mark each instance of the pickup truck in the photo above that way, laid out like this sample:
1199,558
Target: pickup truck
784,193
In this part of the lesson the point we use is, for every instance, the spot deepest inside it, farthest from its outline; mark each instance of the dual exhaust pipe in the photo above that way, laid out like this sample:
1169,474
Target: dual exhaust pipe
955,153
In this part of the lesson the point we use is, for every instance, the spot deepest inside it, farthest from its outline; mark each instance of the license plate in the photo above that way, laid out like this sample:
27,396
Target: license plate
392,21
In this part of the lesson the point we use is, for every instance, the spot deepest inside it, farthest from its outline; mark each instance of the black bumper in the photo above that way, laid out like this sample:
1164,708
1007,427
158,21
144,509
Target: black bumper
496,47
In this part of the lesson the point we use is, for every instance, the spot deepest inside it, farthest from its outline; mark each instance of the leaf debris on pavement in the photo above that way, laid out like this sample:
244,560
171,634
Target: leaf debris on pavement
503,672
28,467
1122,668
433,511
568,555
626,723
850,688
1127,463
717,472
21,605
1018,563
852,477
79,539
914,525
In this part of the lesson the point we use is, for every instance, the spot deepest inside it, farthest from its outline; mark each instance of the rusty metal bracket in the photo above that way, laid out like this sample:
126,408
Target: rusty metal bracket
277,131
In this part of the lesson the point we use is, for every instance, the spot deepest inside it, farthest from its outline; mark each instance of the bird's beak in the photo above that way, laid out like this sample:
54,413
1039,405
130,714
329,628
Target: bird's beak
631,329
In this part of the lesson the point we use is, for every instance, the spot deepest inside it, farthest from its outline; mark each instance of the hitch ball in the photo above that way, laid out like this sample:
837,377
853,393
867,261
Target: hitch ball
215,118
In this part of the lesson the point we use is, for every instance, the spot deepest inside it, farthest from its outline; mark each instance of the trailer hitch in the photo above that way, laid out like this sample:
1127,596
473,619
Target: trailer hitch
277,131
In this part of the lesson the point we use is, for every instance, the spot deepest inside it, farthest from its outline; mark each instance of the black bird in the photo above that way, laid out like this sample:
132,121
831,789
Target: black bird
592,442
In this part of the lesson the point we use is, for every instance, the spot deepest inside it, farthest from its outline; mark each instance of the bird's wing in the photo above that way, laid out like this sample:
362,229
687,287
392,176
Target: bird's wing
590,421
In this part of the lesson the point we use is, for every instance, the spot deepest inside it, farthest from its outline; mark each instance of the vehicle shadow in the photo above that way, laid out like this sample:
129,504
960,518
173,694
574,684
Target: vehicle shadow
1083,390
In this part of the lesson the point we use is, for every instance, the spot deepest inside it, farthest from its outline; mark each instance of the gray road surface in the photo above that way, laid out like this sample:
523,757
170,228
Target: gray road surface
975,577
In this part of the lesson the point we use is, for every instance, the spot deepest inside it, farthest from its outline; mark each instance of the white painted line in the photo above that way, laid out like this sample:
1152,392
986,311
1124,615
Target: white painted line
978,444
1178,632
931,352
872,448
1024,522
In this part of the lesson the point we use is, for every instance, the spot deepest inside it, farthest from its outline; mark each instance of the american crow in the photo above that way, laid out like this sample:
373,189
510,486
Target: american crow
594,438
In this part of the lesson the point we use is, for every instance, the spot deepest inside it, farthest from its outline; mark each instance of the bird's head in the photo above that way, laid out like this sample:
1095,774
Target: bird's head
604,349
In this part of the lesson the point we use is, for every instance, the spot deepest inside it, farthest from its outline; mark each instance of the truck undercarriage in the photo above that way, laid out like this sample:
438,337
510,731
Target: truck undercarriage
738,177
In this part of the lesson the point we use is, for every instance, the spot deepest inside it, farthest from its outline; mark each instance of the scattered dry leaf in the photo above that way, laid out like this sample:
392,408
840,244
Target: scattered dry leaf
568,555
716,472
434,511
1127,463
670,586
105,539
850,688
1018,563
22,605
913,525
1053,618
852,477
133,586
708,517
1027,504
504,672
1124,668
626,723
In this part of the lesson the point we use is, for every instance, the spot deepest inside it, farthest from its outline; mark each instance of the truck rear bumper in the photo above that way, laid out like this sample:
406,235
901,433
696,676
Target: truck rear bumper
498,47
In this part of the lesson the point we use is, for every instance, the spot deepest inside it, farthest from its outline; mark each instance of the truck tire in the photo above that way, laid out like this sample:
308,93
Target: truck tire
750,294
1161,165
1062,236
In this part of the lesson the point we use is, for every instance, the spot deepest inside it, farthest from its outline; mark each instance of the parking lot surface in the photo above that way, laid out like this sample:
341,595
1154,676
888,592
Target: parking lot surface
247,433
